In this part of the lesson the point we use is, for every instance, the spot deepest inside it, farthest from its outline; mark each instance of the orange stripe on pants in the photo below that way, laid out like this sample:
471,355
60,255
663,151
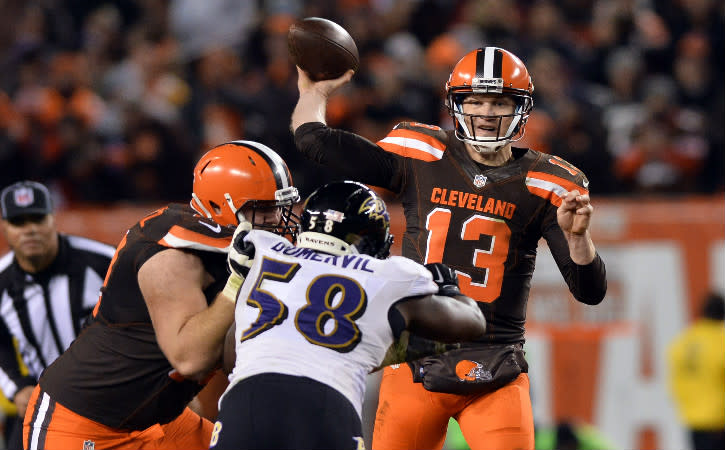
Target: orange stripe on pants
50,425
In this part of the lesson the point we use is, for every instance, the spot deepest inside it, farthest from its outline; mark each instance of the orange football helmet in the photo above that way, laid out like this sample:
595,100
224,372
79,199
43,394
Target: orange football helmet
485,71
241,174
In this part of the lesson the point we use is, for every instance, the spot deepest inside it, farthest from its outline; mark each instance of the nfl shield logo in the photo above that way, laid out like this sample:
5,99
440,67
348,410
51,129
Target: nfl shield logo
479,181
23,196
89,445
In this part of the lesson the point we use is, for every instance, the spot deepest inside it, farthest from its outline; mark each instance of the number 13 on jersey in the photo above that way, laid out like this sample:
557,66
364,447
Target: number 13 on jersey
489,256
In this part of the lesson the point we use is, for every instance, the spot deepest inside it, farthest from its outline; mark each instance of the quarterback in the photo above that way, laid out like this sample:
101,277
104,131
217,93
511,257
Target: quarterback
478,204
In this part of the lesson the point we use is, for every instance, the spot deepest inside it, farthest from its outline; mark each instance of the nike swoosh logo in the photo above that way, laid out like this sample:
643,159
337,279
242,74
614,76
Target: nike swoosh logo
215,229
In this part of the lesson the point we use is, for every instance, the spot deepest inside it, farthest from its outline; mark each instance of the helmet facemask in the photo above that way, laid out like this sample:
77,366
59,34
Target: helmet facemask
466,132
374,248
287,222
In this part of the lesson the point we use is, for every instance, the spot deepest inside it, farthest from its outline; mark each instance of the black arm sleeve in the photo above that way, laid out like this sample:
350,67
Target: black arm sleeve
587,283
9,365
396,321
349,155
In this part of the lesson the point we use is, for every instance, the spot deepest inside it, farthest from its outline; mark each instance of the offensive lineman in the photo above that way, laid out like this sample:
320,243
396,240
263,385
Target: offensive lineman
159,325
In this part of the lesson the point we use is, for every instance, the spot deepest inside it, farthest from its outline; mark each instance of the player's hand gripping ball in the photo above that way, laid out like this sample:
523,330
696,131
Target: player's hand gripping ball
322,48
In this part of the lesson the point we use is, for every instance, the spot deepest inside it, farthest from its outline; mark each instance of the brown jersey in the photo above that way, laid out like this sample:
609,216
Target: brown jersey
115,373
484,222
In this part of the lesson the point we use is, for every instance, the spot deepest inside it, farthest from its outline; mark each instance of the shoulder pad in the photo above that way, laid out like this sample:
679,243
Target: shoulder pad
418,125
186,229
264,238
402,268
416,140
550,177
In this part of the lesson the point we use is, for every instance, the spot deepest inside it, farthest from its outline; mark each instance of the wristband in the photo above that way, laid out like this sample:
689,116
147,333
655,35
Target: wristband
231,289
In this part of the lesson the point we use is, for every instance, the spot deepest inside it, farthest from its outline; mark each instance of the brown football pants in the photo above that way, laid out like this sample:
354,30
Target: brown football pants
410,417
49,425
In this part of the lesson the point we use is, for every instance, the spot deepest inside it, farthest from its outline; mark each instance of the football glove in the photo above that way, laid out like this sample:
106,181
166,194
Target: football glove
445,278
239,260
410,347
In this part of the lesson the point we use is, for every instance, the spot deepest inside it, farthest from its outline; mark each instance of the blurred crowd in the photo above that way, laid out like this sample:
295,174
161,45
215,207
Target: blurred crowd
115,100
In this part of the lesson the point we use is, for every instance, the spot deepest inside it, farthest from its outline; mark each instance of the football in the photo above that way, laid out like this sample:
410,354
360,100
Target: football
322,48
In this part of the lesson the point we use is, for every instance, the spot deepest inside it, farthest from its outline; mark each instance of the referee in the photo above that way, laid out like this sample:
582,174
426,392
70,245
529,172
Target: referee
49,284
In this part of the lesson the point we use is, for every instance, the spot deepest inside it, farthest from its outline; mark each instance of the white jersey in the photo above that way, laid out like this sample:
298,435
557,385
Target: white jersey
305,313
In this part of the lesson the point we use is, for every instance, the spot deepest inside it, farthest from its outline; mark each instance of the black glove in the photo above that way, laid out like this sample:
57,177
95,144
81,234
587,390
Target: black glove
239,261
445,278
241,254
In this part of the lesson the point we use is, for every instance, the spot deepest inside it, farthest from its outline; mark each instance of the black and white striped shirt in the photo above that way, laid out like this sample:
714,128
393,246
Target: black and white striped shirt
45,311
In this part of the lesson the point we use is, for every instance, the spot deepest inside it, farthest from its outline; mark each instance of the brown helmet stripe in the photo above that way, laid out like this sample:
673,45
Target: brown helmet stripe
497,63
480,63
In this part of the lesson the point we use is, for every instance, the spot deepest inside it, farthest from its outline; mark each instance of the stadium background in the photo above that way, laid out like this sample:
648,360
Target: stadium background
110,103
